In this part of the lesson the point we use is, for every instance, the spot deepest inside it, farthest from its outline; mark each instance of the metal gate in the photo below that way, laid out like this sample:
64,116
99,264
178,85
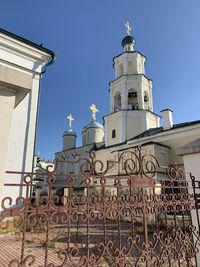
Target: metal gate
145,217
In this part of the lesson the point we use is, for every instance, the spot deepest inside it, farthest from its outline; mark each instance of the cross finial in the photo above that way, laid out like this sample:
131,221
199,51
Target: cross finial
128,28
94,111
70,119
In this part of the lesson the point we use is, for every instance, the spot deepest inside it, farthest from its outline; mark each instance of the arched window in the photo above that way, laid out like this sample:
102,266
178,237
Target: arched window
130,67
146,100
113,133
132,100
117,101
121,70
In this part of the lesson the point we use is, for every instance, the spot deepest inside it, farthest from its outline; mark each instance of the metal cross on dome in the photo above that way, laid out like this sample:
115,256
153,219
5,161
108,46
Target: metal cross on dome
128,28
70,119
94,110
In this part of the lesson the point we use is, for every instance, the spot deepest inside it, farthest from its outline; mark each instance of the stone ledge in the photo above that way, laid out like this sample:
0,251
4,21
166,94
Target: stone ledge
20,81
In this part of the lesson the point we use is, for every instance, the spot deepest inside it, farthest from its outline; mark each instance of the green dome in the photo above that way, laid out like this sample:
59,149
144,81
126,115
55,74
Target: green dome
93,124
69,132
128,40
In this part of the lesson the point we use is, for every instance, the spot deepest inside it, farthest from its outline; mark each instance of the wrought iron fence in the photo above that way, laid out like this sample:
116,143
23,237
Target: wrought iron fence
92,219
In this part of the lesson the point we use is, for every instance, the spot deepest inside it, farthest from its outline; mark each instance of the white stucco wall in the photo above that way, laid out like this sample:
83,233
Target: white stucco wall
22,138
7,102
92,135
192,165
128,124
69,142
137,63
21,65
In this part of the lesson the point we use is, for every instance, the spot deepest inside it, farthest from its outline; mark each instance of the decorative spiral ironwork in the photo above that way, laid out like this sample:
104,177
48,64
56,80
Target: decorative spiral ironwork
134,219
174,172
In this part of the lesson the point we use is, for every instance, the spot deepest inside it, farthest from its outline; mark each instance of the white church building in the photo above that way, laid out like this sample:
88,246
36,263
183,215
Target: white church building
130,123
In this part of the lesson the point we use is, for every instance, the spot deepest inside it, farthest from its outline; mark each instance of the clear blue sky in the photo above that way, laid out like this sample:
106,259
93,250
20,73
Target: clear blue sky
87,34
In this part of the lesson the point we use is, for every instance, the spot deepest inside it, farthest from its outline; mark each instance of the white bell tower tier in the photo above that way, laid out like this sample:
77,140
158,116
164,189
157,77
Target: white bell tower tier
131,105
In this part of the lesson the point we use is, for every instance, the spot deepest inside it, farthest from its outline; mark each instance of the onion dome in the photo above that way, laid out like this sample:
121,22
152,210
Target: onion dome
94,131
69,133
93,124
128,40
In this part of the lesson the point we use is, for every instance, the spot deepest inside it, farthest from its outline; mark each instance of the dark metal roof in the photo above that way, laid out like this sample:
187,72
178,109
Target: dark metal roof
150,132
153,131
111,146
21,39
154,143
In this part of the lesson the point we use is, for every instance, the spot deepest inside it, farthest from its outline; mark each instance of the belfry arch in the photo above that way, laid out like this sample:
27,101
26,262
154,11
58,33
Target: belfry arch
132,99
117,101
146,100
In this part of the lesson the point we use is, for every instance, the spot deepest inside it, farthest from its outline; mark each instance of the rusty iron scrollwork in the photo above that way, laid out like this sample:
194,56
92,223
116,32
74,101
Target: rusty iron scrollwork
92,217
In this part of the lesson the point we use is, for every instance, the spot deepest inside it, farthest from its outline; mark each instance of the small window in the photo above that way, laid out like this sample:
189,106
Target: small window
113,133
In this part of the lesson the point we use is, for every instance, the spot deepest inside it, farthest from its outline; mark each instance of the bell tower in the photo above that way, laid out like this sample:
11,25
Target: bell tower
131,105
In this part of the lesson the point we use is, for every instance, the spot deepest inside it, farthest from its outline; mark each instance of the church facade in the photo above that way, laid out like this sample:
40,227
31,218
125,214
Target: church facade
130,123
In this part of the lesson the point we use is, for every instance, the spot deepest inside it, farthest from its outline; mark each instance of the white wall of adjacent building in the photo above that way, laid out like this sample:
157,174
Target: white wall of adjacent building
21,65
191,158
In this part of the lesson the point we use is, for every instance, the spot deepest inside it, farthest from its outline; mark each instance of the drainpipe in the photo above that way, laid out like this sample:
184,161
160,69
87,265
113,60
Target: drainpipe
53,58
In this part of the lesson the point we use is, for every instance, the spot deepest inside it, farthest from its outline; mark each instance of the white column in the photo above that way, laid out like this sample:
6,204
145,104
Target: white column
124,101
106,131
111,101
7,103
124,96
125,66
123,126
140,94
150,96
